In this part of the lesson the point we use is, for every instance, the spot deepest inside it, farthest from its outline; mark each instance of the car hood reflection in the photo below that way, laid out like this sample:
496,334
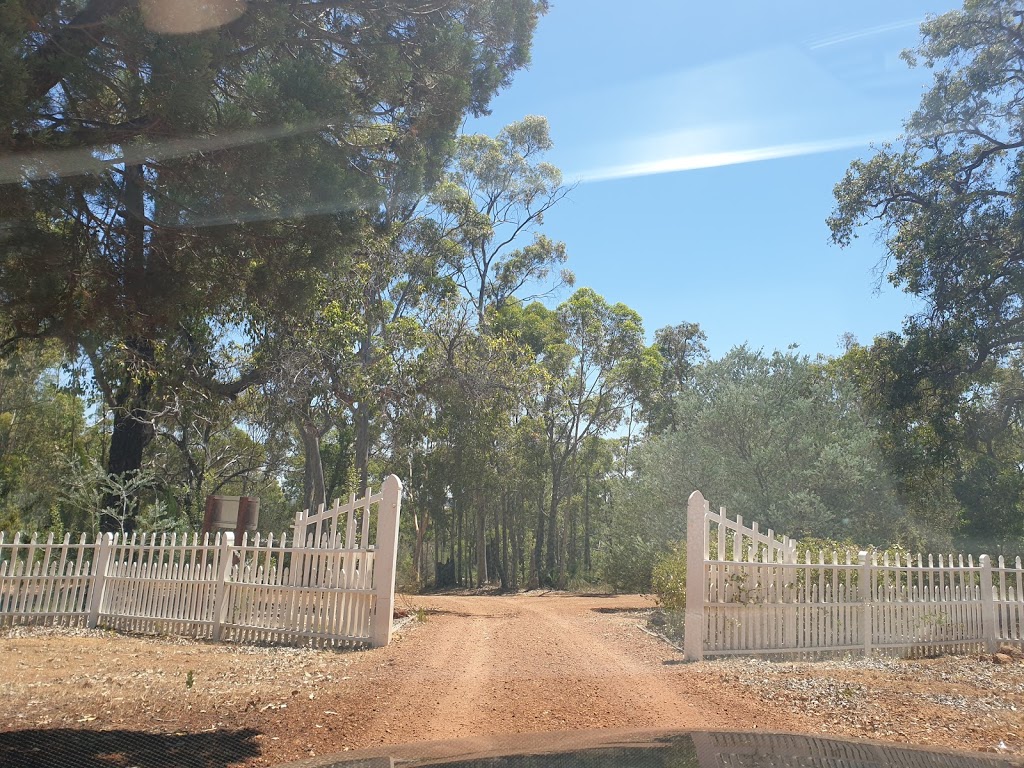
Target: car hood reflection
656,749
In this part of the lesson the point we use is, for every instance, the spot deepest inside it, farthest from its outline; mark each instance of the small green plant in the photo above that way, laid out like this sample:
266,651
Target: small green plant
743,594
421,614
668,580
190,680
934,620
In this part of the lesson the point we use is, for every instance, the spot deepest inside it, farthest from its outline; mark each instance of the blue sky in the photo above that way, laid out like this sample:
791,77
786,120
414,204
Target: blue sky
706,140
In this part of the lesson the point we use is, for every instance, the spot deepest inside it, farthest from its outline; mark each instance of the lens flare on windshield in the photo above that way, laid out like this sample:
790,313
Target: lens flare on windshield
178,17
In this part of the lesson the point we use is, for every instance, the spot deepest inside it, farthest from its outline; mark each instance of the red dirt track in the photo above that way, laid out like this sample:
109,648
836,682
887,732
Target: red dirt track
479,666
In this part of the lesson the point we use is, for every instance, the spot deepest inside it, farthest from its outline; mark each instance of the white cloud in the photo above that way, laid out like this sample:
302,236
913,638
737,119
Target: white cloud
697,160
849,37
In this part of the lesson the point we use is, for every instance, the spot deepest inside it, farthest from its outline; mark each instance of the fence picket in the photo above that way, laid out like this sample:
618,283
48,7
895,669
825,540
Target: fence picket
754,596
331,585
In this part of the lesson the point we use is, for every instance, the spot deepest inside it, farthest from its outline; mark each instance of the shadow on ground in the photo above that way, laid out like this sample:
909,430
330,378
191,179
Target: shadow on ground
466,592
587,595
464,615
636,611
70,748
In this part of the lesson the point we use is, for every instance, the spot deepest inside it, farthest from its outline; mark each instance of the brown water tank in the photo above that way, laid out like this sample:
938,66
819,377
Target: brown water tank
240,514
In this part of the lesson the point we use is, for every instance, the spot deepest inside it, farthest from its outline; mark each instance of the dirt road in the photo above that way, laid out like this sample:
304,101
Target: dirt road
484,665
476,666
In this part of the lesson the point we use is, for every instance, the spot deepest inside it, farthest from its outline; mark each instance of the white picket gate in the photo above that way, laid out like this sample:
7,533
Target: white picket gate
746,593
332,587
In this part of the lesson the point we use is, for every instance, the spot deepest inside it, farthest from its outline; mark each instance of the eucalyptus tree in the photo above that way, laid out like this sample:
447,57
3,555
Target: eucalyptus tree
497,193
482,236
946,198
946,203
594,369
682,348
481,383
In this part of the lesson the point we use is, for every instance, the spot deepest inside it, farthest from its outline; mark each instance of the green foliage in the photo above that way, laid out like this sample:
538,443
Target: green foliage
668,580
946,201
88,489
629,564
781,440
42,429
647,516
814,544
155,183
496,193
681,348
778,441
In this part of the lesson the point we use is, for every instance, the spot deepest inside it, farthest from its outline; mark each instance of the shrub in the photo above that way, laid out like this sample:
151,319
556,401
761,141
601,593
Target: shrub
629,564
669,579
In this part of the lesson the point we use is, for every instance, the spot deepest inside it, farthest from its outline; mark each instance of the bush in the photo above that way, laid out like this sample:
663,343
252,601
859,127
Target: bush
629,564
669,579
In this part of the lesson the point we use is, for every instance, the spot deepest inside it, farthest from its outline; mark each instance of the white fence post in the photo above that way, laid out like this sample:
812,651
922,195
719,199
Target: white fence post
100,569
989,629
864,559
696,552
222,587
385,557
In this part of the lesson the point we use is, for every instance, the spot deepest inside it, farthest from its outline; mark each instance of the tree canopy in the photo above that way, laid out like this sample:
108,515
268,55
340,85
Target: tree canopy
157,185
947,198
946,202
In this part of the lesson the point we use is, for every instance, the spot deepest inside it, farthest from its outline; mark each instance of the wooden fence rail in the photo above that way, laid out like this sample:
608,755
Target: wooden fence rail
746,593
336,589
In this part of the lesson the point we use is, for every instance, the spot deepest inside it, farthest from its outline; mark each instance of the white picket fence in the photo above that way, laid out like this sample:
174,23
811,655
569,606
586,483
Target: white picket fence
332,585
746,593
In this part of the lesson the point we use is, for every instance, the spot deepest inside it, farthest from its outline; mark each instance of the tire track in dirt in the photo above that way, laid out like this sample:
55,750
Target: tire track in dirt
444,683
489,665
484,667
479,666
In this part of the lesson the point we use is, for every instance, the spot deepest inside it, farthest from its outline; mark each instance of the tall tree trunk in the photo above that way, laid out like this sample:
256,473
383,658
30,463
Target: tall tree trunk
130,437
451,539
133,428
313,476
519,540
538,546
361,415
507,578
563,557
573,565
567,541
458,567
419,551
494,550
133,431
518,537
338,479
481,542
553,544
586,525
